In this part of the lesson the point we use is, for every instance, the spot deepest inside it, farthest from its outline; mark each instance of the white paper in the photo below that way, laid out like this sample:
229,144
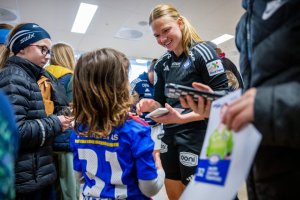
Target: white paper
220,173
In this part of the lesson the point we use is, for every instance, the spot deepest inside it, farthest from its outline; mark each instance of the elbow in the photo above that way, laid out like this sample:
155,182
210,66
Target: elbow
151,187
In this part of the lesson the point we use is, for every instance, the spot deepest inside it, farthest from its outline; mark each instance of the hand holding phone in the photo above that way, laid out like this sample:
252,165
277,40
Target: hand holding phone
175,91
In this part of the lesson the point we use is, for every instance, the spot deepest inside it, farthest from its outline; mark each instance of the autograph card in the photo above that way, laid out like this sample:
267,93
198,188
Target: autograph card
225,158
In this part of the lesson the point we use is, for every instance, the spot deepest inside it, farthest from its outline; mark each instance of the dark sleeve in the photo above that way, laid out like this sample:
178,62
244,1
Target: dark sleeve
210,68
277,101
33,132
277,114
58,95
159,83
70,90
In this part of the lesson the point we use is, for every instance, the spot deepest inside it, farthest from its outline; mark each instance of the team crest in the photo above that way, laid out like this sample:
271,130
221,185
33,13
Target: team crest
187,64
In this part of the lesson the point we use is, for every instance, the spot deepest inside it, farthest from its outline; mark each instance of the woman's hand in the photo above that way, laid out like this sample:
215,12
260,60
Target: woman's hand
240,112
146,105
202,107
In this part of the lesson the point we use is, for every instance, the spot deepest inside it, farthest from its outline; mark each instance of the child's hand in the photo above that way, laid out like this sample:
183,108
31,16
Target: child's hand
146,105
65,121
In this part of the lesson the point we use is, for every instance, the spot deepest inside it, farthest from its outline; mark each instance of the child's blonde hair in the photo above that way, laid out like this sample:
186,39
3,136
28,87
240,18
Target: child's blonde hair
101,96
63,55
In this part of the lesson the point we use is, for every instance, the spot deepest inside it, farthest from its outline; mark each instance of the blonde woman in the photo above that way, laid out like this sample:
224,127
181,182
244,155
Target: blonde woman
187,60
62,63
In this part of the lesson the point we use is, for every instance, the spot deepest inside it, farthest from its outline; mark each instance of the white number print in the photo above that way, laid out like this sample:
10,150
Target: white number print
116,175
91,170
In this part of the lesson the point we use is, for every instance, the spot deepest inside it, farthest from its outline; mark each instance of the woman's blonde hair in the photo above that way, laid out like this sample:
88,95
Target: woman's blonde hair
63,55
4,54
101,97
189,34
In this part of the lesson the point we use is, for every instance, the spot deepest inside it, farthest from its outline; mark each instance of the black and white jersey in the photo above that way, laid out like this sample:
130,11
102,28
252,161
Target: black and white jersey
201,65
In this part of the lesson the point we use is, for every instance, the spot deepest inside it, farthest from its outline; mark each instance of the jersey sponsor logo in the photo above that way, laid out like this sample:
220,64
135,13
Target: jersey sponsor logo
164,147
166,67
215,67
98,142
188,159
175,64
145,85
147,90
148,95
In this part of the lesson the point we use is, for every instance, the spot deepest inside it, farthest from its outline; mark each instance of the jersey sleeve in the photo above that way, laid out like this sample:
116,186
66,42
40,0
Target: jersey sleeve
210,67
159,82
142,148
133,85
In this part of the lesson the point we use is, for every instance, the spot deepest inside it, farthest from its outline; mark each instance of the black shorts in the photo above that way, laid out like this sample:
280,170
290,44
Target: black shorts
180,153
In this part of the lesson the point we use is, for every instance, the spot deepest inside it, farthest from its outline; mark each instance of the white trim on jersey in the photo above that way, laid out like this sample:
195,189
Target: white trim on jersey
200,51
205,47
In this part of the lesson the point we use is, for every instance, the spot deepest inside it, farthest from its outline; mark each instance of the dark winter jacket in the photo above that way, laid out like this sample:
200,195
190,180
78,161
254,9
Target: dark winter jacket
64,75
268,37
34,167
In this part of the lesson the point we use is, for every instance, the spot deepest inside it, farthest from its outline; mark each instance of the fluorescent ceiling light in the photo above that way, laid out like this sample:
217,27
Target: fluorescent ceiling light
84,17
222,38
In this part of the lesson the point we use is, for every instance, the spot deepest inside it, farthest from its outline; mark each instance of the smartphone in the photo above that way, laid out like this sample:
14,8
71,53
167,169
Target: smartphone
157,113
175,91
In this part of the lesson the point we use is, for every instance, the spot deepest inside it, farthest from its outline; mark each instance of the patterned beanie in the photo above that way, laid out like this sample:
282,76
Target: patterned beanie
26,35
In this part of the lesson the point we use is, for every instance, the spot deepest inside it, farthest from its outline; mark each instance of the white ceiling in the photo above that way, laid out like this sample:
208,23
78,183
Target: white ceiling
211,18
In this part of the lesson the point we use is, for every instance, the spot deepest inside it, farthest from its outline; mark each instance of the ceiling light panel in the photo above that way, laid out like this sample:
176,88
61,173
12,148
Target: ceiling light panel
84,17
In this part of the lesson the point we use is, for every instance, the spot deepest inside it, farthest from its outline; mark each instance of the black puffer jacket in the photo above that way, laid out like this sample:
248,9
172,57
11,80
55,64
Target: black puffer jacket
270,61
34,167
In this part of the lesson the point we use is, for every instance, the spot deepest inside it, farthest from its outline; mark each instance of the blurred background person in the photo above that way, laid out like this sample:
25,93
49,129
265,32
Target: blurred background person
142,87
62,64
4,31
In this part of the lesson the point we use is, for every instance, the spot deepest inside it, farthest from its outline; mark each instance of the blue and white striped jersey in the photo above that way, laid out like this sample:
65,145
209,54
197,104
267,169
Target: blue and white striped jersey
112,166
